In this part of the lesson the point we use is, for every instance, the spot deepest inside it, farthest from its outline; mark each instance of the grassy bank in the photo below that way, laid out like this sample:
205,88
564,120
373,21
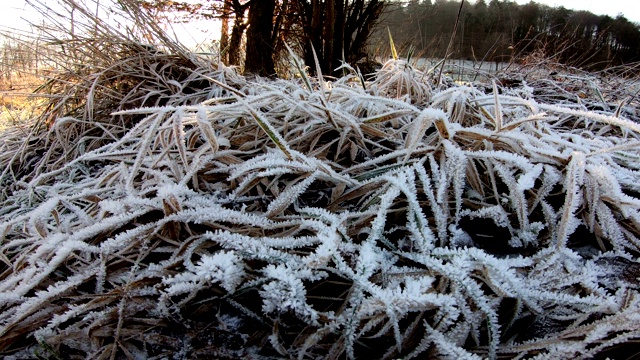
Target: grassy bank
163,206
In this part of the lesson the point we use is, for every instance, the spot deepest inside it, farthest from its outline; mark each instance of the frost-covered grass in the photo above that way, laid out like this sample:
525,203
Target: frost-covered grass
166,207
327,219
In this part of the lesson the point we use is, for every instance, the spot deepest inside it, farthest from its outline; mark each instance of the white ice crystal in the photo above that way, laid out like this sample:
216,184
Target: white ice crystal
224,268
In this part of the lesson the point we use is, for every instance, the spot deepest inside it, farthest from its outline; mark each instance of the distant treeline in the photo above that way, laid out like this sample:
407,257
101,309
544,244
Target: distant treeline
499,30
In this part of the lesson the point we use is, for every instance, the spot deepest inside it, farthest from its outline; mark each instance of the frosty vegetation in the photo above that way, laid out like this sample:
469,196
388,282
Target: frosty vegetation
354,217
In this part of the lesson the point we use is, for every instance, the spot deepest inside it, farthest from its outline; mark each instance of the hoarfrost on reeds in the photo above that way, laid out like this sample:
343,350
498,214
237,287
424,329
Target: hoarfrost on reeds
325,219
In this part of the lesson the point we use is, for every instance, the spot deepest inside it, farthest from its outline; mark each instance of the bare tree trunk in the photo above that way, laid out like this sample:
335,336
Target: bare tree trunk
259,52
338,34
313,29
329,35
235,43
337,29
360,21
224,33
278,22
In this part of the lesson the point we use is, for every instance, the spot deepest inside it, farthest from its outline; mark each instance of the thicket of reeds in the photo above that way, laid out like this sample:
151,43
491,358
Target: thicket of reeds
163,206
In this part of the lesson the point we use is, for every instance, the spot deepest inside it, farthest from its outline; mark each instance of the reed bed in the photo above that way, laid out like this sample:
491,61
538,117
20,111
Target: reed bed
196,213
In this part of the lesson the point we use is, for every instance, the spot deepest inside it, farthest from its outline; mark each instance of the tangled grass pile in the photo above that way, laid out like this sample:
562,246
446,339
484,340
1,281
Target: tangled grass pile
388,218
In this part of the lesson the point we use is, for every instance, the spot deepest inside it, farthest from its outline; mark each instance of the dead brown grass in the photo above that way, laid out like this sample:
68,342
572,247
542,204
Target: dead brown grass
164,206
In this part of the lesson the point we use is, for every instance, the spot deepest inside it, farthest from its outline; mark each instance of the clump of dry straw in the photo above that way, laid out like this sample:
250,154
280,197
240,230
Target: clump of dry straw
165,207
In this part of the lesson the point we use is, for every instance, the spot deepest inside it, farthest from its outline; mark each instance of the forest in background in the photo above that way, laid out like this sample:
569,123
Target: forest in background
496,30
357,31
500,30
